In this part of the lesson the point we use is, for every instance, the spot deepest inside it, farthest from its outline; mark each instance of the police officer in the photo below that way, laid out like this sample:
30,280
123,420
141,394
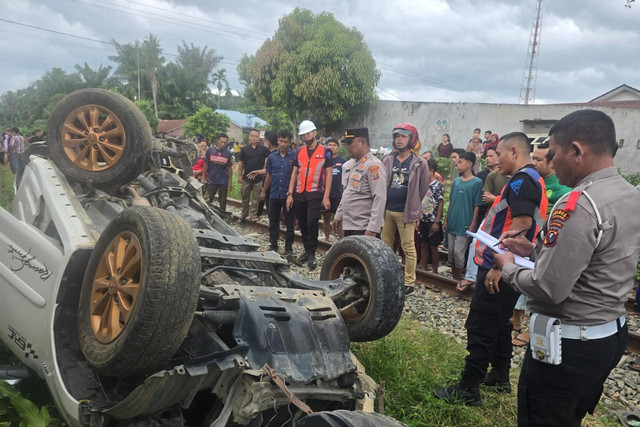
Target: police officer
585,264
361,210
519,207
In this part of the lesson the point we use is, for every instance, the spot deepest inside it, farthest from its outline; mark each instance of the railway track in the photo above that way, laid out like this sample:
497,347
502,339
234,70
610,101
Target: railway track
437,282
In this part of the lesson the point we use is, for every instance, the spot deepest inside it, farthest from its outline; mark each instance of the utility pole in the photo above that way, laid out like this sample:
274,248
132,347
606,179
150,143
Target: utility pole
138,52
528,88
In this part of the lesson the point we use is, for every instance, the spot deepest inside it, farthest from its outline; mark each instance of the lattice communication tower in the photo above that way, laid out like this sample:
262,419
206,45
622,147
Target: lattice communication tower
528,88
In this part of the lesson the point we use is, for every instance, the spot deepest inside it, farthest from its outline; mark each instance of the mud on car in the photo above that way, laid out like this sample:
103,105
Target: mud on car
139,305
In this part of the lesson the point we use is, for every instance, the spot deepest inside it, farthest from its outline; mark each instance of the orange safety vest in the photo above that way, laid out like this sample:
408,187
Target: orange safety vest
499,219
311,173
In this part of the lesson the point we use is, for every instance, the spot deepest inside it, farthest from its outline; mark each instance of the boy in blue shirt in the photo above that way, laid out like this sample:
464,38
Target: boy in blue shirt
465,200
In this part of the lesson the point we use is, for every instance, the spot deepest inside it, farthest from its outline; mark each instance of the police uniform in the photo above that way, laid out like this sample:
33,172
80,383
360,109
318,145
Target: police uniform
364,196
585,265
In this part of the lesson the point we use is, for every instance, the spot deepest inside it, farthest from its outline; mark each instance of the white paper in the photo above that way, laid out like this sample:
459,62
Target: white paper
491,243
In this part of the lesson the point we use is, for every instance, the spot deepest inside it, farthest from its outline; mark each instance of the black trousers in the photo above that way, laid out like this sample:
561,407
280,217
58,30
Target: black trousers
489,331
222,191
276,207
561,395
308,215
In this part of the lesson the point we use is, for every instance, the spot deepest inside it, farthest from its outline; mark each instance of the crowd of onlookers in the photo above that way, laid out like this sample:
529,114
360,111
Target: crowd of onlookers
13,145
400,199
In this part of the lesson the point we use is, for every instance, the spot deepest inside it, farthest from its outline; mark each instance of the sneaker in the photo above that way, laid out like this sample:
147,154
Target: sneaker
312,263
458,394
304,257
503,387
408,290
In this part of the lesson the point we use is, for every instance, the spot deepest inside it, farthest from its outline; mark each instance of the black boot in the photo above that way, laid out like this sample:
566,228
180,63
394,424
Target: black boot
460,392
498,380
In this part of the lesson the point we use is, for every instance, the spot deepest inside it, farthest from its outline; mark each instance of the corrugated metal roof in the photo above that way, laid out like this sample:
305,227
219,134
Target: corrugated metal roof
243,119
166,126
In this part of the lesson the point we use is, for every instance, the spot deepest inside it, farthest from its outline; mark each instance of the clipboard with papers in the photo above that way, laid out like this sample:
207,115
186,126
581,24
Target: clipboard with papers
491,243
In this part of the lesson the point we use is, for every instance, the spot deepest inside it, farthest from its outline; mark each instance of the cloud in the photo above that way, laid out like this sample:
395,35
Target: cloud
427,50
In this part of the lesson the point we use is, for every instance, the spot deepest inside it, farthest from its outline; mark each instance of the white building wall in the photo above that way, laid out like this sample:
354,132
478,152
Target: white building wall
432,119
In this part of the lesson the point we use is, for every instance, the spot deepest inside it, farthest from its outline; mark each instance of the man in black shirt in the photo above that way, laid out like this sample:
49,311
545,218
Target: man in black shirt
252,158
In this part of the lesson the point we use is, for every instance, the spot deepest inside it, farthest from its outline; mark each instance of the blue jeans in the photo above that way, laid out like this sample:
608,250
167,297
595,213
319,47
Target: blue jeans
472,267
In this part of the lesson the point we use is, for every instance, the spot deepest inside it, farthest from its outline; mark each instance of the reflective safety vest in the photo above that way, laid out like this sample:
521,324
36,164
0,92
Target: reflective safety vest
499,219
311,173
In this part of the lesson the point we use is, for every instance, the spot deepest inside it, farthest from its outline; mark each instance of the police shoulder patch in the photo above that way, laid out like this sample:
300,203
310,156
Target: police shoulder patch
373,170
515,185
551,238
560,215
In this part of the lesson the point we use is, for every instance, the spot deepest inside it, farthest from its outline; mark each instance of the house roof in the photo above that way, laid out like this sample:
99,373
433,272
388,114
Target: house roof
242,119
607,104
166,126
628,92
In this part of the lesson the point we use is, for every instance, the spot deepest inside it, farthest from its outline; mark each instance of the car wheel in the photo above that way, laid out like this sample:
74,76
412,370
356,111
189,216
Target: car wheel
98,136
139,292
372,308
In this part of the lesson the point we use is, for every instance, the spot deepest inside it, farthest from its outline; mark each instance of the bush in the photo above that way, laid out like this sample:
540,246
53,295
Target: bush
149,113
207,122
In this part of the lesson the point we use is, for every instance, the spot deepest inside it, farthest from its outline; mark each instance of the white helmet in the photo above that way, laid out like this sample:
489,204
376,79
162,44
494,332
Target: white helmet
306,126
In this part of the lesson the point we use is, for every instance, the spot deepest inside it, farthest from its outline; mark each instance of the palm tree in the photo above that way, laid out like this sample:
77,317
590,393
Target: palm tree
219,79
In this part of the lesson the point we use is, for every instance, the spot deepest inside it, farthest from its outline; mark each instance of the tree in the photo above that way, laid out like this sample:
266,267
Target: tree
219,79
313,67
127,71
94,78
151,60
147,110
207,122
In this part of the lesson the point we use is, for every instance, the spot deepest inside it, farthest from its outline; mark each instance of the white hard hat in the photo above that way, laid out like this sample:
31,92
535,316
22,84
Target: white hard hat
306,126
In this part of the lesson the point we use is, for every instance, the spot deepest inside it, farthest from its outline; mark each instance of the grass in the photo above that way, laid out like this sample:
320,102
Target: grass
6,187
413,361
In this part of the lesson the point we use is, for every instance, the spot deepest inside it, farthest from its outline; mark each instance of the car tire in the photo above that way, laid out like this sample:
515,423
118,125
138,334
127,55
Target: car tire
373,307
139,292
98,136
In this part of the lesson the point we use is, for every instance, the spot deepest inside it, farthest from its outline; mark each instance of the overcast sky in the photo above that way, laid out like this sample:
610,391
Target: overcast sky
427,50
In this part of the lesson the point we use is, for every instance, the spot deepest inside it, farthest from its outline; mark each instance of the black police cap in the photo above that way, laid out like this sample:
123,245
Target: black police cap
350,134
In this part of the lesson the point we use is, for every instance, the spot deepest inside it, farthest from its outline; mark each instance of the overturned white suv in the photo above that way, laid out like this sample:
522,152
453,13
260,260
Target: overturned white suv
138,305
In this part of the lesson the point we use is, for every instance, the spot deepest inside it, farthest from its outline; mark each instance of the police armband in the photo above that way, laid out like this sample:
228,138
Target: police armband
545,339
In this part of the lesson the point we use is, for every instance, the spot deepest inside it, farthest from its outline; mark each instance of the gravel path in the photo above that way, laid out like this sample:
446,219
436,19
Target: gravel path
448,313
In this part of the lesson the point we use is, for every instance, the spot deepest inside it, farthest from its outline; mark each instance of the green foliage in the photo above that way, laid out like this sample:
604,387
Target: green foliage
6,187
444,166
147,110
17,410
207,122
314,67
633,179
342,151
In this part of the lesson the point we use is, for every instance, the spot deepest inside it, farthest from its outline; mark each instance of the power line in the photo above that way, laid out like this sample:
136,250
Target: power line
171,21
54,31
389,93
199,18
437,83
